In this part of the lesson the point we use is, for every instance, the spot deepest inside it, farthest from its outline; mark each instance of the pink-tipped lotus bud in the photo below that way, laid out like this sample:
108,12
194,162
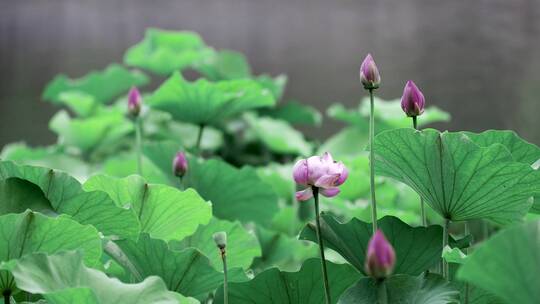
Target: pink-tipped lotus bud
134,102
380,258
321,172
369,74
412,101
180,164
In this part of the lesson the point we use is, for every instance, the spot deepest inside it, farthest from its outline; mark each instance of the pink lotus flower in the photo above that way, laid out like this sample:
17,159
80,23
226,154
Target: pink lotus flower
134,102
380,258
180,164
321,172
369,74
412,101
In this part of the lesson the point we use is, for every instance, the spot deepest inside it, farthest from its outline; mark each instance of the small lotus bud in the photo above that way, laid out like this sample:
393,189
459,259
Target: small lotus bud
369,74
380,258
412,101
180,164
321,172
221,239
134,102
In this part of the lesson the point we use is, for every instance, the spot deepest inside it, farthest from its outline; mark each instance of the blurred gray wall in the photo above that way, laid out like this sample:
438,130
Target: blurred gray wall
480,60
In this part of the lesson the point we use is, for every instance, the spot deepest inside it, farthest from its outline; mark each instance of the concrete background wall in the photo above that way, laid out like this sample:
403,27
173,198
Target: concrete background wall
480,60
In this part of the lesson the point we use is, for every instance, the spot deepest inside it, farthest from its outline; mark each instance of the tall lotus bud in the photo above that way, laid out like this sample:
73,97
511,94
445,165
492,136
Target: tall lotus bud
321,172
381,258
369,74
134,102
180,164
412,101
221,239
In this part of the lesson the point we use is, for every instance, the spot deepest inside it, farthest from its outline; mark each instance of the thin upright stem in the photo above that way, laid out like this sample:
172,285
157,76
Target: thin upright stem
7,296
225,280
445,243
181,183
138,144
321,245
467,232
199,139
422,204
382,295
372,162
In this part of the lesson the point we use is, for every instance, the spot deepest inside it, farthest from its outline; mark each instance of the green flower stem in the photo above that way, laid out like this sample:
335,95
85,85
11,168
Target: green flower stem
467,232
321,245
7,296
181,183
382,294
225,280
138,143
372,162
445,243
422,204
199,139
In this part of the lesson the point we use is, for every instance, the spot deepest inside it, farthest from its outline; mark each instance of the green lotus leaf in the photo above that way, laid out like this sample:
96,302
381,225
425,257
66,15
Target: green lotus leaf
456,177
203,102
242,245
103,86
188,271
295,113
50,191
507,264
417,248
29,232
62,278
424,289
304,286
92,133
164,212
278,135
164,52
236,194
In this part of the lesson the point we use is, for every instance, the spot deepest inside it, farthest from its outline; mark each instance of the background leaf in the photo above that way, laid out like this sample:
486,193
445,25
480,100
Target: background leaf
242,245
236,194
102,85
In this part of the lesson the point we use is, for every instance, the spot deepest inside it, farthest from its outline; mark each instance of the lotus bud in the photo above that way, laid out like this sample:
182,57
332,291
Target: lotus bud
381,258
321,172
180,164
412,101
369,74
134,102
221,239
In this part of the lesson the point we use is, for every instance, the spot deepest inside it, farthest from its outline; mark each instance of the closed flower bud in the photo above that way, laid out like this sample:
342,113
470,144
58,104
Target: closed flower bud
180,164
369,74
380,258
321,172
221,239
134,102
412,101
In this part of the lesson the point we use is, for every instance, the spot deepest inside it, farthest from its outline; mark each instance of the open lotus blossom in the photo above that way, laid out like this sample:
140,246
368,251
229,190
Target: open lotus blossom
369,74
134,102
412,101
180,164
321,172
380,258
